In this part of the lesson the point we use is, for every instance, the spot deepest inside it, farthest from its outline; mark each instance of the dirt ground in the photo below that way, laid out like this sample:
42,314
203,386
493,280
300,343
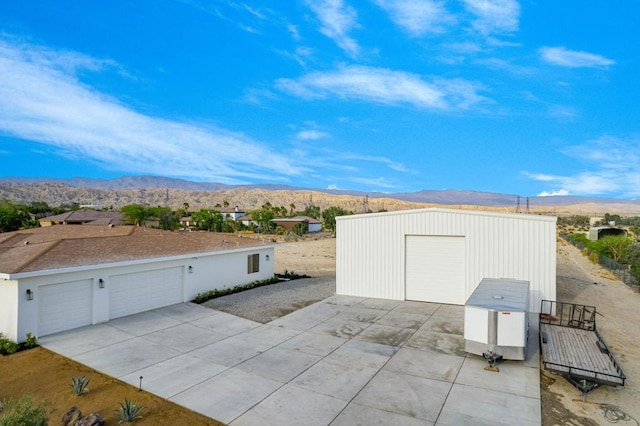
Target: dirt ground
48,376
580,281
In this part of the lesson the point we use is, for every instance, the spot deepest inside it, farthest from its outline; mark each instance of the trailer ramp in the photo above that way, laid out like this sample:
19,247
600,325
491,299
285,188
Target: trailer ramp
571,346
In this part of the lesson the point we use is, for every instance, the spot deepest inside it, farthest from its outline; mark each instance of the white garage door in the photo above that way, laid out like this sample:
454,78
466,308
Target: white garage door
435,269
143,291
64,306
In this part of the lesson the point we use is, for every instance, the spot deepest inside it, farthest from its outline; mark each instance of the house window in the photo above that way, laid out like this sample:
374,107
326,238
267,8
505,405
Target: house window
253,263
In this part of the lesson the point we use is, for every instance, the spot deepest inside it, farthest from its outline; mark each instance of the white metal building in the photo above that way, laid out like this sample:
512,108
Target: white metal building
441,255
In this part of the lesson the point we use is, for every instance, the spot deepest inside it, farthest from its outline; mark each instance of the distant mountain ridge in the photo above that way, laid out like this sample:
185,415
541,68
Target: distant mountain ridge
155,190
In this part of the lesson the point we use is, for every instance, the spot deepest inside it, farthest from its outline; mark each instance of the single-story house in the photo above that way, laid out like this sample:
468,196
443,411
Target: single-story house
62,277
441,255
599,232
288,223
84,217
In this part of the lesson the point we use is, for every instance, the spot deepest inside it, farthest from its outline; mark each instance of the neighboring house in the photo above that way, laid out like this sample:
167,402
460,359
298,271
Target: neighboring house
441,255
604,231
233,213
246,220
62,277
310,224
84,217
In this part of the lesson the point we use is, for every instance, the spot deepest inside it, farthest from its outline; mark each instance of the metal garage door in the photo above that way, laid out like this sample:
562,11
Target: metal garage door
143,291
435,269
64,306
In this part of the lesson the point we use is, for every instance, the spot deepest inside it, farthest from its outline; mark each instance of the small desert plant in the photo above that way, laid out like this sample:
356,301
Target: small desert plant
79,385
129,411
22,412
30,341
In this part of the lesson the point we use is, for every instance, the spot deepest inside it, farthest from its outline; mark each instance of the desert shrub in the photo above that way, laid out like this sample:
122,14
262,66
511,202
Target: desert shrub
215,293
129,411
594,258
30,341
79,385
585,251
23,412
10,347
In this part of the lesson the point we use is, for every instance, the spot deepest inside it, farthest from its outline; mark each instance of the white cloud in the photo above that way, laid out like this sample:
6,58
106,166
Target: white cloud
337,20
613,169
418,17
42,100
494,16
572,58
553,193
311,135
383,86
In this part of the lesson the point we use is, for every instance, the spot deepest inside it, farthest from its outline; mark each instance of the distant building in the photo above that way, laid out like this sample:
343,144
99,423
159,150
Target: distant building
233,213
604,231
84,217
310,224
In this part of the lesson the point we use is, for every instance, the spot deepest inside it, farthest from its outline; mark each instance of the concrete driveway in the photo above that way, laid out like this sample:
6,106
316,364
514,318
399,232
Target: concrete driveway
342,361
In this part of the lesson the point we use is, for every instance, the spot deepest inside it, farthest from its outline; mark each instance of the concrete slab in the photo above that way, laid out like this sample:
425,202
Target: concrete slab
512,378
335,379
229,352
226,324
385,335
341,327
384,304
361,415
184,337
404,394
444,343
279,364
144,323
169,378
267,336
293,406
314,343
126,357
431,365
227,395
358,352
469,405
403,320
186,312
344,360
85,339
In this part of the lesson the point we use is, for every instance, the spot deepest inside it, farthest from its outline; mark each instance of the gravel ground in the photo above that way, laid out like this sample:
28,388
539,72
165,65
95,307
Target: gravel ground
267,303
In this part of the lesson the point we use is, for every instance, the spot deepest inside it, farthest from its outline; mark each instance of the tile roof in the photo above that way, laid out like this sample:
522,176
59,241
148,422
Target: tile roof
89,216
66,246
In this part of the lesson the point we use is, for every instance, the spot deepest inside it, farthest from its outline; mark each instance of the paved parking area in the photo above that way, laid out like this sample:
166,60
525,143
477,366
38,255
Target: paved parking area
342,361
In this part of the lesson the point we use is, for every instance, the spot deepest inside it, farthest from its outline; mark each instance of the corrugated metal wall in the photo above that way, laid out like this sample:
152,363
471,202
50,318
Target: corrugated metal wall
370,250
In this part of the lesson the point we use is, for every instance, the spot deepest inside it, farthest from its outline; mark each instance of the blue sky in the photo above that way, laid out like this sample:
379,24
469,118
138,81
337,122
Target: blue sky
527,98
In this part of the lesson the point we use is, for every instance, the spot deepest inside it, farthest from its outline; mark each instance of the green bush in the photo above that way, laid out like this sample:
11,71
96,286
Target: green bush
129,411
30,341
21,412
215,293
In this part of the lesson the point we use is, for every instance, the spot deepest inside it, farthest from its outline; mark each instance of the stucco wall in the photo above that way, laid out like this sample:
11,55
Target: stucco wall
209,271
9,308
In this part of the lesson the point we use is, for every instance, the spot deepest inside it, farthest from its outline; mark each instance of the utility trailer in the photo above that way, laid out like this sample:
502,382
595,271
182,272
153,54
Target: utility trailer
572,347
496,320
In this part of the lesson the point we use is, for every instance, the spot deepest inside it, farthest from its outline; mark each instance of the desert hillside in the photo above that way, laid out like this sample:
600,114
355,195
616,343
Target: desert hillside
56,194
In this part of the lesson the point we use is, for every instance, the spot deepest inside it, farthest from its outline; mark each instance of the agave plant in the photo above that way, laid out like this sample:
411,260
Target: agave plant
79,385
129,411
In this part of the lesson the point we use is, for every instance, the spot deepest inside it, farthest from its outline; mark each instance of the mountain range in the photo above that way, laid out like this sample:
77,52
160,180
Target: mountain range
156,190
